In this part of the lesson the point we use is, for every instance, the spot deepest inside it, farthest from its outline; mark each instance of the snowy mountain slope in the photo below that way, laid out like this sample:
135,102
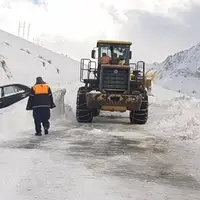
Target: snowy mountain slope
180,72
21,62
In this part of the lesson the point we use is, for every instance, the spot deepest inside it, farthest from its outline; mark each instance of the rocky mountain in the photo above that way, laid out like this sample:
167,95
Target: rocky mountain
180,72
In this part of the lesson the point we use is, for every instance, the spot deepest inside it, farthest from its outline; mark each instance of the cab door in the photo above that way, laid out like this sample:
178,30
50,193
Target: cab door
12,93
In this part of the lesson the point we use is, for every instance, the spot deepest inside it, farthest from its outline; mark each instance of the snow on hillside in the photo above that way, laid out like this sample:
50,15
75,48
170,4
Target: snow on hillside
21,62
25,60
180,72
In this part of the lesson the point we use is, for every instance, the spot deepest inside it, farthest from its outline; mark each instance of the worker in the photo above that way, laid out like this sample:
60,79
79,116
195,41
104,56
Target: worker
105,59
148,84
132,76
40,101
115,59
121,60
149,76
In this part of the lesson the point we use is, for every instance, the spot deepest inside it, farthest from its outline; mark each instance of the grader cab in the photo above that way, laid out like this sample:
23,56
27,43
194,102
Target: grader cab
112,83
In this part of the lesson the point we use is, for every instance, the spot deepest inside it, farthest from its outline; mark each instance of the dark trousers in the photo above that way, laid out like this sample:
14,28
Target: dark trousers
41,115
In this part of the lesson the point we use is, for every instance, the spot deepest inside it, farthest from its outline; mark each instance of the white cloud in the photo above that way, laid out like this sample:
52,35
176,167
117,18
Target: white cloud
83,22
75,18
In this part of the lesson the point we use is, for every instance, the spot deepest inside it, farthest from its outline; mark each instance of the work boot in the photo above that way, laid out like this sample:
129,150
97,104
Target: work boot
46,131
38,134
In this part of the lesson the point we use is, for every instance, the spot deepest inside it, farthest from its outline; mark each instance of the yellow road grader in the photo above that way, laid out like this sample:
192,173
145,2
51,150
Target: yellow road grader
112,83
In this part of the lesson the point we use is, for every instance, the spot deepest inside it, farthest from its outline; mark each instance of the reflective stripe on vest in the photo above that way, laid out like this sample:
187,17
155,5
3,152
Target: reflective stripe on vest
41,89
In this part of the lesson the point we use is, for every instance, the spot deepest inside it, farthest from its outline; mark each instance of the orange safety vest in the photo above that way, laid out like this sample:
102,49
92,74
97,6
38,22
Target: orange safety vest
105,60
41,89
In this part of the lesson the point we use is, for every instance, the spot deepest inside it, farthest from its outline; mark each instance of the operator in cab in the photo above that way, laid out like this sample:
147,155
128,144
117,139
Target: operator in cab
105,59
121,60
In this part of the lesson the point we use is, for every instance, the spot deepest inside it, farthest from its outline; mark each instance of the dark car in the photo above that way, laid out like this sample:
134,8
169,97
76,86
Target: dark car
12,93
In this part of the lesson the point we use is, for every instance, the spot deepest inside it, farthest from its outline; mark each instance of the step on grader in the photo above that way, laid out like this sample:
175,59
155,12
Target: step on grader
112,83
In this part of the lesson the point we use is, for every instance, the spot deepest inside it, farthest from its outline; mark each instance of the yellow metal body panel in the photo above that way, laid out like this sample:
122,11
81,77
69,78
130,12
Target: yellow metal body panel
114,108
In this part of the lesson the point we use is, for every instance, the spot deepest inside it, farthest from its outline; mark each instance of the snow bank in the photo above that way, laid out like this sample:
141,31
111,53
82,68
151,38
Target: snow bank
174,115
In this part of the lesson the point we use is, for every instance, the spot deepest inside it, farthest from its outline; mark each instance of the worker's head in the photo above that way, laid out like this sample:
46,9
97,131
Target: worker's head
121,57
104,54
39,80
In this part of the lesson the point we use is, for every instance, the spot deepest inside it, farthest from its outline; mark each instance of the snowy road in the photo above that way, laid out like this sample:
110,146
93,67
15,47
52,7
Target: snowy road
109,159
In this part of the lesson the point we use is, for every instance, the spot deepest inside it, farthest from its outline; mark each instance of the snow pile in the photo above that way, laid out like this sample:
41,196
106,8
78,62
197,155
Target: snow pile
174,115
21,62
180,72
